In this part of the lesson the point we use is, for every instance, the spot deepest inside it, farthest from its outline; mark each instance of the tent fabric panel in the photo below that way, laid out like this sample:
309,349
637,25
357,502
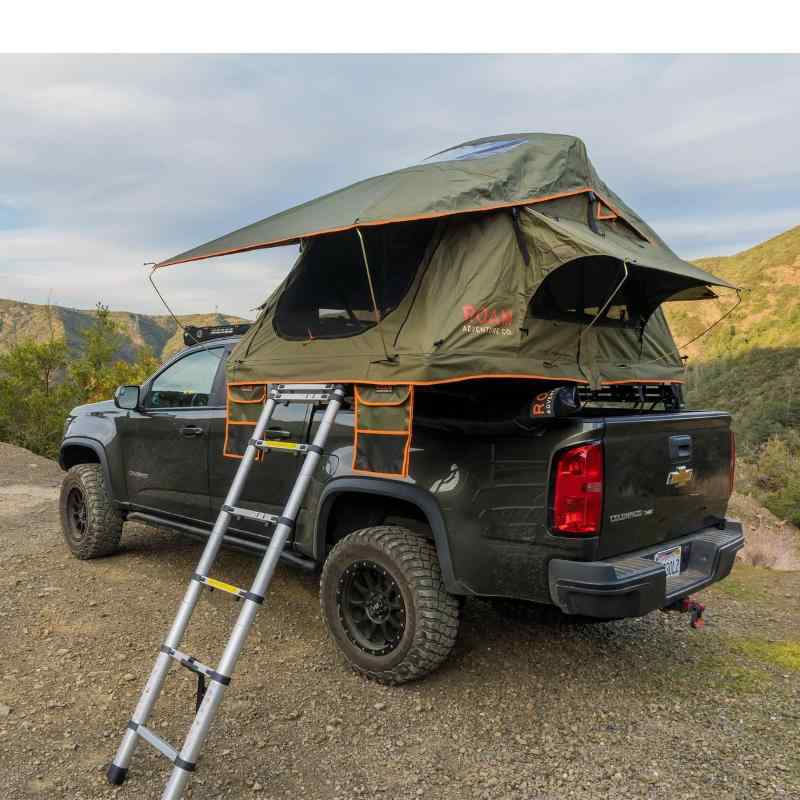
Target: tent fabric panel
384,417
242,409
467,315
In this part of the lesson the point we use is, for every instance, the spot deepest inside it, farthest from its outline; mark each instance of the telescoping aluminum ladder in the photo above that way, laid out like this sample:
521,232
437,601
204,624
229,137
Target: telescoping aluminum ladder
208,701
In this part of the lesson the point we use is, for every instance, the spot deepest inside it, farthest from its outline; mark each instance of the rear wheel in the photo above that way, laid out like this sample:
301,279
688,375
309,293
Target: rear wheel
385,605
90,522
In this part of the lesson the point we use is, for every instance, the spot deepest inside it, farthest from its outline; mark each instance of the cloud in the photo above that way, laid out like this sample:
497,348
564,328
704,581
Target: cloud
725,235
109,161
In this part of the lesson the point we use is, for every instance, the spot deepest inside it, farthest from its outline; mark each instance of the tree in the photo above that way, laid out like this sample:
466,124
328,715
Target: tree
40,382
100,341
34,398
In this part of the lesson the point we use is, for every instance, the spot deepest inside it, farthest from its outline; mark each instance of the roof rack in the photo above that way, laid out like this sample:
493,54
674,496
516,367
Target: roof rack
638,393
199,335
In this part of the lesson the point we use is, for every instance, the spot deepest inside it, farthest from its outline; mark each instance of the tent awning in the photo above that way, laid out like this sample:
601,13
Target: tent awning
478,176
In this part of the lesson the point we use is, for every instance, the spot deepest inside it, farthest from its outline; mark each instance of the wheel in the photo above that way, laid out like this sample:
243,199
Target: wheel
538,613
385,605
90,522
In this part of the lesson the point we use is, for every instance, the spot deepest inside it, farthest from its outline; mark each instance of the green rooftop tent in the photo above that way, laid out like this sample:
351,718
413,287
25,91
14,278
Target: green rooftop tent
502,257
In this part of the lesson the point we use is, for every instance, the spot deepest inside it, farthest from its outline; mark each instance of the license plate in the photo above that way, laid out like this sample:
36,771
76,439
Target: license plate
671,559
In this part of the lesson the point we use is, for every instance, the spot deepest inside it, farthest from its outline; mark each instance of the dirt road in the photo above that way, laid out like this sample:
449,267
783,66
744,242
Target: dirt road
640,708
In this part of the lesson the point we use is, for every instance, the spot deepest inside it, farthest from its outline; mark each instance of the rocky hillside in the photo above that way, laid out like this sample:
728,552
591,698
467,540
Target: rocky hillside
749,364
20,321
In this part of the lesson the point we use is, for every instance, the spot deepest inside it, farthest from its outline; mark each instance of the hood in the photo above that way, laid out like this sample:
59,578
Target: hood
102,407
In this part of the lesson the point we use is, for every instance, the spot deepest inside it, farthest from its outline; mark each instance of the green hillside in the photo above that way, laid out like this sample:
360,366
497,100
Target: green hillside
21,321
749,364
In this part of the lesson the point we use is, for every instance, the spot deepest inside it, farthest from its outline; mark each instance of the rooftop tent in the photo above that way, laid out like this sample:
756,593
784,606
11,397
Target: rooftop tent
505,256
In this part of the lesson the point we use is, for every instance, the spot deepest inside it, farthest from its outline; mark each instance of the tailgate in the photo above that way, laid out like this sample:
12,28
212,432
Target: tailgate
665,476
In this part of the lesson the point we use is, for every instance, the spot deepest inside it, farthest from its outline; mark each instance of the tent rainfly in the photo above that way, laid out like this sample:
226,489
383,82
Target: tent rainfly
502,257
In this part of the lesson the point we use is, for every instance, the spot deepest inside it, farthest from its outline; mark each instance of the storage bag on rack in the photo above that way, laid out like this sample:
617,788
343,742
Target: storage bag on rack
383,422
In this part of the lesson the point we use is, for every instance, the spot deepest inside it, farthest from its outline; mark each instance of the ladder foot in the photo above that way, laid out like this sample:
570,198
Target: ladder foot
116,775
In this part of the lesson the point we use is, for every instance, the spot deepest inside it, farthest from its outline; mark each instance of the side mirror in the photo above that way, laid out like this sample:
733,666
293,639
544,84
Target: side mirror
127,398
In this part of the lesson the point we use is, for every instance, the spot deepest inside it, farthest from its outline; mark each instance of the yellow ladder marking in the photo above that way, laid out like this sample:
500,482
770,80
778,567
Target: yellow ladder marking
280,445
225,587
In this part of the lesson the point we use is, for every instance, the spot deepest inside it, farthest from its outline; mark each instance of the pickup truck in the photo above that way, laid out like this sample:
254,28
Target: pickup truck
614,510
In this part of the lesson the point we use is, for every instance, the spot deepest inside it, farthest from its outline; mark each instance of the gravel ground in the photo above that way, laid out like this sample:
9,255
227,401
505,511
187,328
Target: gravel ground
639,708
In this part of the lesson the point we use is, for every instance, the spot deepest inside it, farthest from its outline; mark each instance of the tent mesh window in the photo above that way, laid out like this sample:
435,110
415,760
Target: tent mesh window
577,291
328,296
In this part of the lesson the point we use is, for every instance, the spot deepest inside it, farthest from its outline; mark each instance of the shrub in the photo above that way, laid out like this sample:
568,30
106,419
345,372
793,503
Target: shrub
778,479
40,382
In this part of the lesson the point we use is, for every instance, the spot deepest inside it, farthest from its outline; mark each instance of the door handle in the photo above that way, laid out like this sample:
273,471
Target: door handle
191,430
277,433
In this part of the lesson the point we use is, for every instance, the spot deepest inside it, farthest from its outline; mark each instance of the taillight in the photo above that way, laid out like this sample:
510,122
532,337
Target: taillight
732,464
578,491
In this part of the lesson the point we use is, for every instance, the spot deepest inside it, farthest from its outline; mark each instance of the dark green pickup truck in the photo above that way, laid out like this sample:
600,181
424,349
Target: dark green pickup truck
614,511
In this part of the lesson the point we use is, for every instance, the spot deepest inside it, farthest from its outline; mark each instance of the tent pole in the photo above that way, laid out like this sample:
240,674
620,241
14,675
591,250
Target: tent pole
611,297
599,314
372,294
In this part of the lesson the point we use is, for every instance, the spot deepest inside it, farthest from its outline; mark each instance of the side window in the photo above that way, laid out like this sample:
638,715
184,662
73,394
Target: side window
188,382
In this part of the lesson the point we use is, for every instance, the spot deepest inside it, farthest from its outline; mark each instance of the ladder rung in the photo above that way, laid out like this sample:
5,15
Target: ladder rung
248,513
302,392
154,739
286,447
190,662
213,583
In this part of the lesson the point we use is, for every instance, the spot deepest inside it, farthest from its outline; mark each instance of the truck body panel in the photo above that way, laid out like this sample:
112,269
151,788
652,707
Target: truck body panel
480,482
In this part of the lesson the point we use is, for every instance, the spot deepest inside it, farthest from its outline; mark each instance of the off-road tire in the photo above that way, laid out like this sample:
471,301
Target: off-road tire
100,531
430,613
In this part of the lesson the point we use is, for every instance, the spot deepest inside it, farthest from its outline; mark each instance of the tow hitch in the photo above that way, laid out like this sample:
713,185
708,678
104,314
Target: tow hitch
688,605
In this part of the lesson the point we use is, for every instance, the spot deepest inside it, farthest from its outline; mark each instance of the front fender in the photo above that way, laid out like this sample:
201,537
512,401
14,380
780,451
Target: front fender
407,492
65,462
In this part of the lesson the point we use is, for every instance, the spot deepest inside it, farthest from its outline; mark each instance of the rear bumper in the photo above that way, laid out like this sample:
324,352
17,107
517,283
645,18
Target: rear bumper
634,584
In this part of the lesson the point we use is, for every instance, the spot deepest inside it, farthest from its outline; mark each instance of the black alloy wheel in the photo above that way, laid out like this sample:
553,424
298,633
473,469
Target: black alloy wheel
77,515
371,607
385,604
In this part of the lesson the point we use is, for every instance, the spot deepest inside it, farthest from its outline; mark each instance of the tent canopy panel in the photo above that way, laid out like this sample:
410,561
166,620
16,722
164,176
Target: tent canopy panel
538,167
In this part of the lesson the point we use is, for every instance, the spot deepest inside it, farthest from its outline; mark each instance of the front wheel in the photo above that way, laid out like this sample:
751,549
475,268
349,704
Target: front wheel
90,522
385,605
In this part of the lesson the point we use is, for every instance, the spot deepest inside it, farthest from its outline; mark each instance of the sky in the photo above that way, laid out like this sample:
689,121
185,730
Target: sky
108,162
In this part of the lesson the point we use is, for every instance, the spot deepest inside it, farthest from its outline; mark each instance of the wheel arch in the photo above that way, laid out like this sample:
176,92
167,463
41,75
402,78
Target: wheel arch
81,450
412,497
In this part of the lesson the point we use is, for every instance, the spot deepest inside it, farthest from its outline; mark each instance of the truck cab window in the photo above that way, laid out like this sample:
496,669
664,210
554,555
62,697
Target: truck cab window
186,383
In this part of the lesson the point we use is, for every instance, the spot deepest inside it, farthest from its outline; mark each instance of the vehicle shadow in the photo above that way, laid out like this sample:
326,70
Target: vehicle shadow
490,646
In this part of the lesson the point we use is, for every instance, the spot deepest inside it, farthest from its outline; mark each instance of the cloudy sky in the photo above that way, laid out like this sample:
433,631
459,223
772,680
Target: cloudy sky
109,162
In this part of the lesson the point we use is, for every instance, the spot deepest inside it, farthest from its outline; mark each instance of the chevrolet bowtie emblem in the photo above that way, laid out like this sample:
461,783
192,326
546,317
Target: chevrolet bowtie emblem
680,476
